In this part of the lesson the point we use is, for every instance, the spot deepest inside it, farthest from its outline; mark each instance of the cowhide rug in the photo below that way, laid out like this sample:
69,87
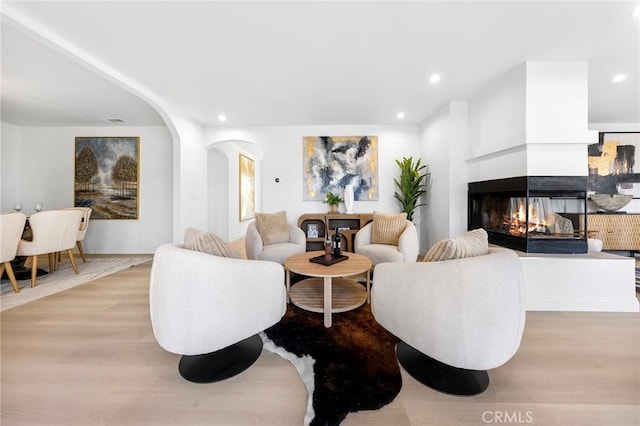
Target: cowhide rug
354,361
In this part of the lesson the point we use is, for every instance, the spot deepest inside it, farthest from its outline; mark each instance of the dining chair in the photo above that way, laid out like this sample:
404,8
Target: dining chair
84,224
12,227
53,231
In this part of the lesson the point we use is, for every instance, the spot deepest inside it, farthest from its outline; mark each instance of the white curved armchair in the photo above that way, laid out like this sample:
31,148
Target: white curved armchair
405,251
11,228
277,252
456,318
210,308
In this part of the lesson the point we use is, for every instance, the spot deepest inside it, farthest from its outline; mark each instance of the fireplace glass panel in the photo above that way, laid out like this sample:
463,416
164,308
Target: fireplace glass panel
522,216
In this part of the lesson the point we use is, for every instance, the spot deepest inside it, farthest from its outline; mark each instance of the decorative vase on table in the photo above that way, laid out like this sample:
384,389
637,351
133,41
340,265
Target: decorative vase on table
328,247
348,198
333,208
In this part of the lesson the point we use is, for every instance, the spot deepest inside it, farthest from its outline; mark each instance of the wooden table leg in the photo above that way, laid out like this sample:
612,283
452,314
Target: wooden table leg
327,302
288,281
369,286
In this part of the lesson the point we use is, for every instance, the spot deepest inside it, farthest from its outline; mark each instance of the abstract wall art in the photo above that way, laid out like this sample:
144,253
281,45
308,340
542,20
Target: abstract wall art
107,176
332,162
614,162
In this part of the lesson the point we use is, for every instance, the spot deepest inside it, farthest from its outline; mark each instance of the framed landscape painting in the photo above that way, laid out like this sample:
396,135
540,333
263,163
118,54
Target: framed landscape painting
247,188
332,162
107,175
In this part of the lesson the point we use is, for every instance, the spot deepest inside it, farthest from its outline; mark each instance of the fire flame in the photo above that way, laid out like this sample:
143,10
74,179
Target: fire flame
516,220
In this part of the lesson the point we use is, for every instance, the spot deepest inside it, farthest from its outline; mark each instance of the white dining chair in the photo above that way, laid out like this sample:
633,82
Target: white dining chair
11,228
53,231
84,224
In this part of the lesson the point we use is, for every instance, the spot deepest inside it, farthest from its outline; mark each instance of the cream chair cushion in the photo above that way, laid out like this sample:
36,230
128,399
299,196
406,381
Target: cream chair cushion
273,227
470,244
387,228
195,239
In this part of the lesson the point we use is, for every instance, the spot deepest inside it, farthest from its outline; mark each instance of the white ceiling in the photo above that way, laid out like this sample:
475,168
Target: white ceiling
300,63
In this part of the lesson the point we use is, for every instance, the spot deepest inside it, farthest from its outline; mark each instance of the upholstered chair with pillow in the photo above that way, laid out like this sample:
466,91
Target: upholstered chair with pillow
388,238
456,318
271,237
209,308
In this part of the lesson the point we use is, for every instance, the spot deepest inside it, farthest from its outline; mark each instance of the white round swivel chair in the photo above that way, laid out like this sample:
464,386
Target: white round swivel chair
210,308
456,318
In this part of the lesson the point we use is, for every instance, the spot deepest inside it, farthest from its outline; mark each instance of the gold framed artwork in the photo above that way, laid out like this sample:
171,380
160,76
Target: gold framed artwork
107,176
247,184
332,162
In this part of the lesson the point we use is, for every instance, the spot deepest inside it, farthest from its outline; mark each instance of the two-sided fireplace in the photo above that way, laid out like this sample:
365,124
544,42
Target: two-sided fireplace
534,214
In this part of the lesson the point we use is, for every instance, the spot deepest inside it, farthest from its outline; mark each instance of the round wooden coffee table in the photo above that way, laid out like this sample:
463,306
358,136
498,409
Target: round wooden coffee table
327,291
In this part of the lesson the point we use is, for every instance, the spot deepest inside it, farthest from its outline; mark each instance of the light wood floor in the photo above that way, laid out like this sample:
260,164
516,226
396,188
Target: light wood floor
87,356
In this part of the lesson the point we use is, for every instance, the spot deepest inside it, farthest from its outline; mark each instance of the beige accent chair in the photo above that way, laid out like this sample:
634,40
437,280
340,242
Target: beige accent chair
84,224
53,231
405,251
11,227
210,308
277,252
455,318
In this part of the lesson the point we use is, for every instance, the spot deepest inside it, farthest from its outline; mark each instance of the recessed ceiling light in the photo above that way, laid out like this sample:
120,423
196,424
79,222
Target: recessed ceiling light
618,78
434,78
222,117
400,115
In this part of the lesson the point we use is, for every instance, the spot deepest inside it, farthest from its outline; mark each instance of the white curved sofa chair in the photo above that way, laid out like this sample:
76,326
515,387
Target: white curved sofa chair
277,252
405,251
210,309
456,318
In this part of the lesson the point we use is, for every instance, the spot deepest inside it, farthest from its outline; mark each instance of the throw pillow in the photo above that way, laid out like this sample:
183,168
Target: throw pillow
273,227
205,242
470,244
387,228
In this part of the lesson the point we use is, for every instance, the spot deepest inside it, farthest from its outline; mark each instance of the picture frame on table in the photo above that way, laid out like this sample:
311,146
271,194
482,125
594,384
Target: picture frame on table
312,230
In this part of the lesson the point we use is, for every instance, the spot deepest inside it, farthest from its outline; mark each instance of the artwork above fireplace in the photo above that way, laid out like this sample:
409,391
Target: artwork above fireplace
534,214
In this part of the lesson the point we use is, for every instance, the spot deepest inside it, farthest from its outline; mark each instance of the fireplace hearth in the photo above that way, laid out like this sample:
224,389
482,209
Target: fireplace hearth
534,214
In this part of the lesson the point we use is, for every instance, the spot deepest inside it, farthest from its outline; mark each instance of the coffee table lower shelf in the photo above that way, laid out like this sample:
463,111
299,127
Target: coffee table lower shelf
346,295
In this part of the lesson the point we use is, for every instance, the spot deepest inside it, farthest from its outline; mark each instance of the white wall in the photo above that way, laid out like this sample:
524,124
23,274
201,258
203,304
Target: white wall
224,189
443,140
533,121
42,168
10,187
189,176
283,159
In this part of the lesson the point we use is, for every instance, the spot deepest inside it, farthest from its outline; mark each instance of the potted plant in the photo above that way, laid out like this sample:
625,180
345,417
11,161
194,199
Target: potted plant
333,200
410,184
